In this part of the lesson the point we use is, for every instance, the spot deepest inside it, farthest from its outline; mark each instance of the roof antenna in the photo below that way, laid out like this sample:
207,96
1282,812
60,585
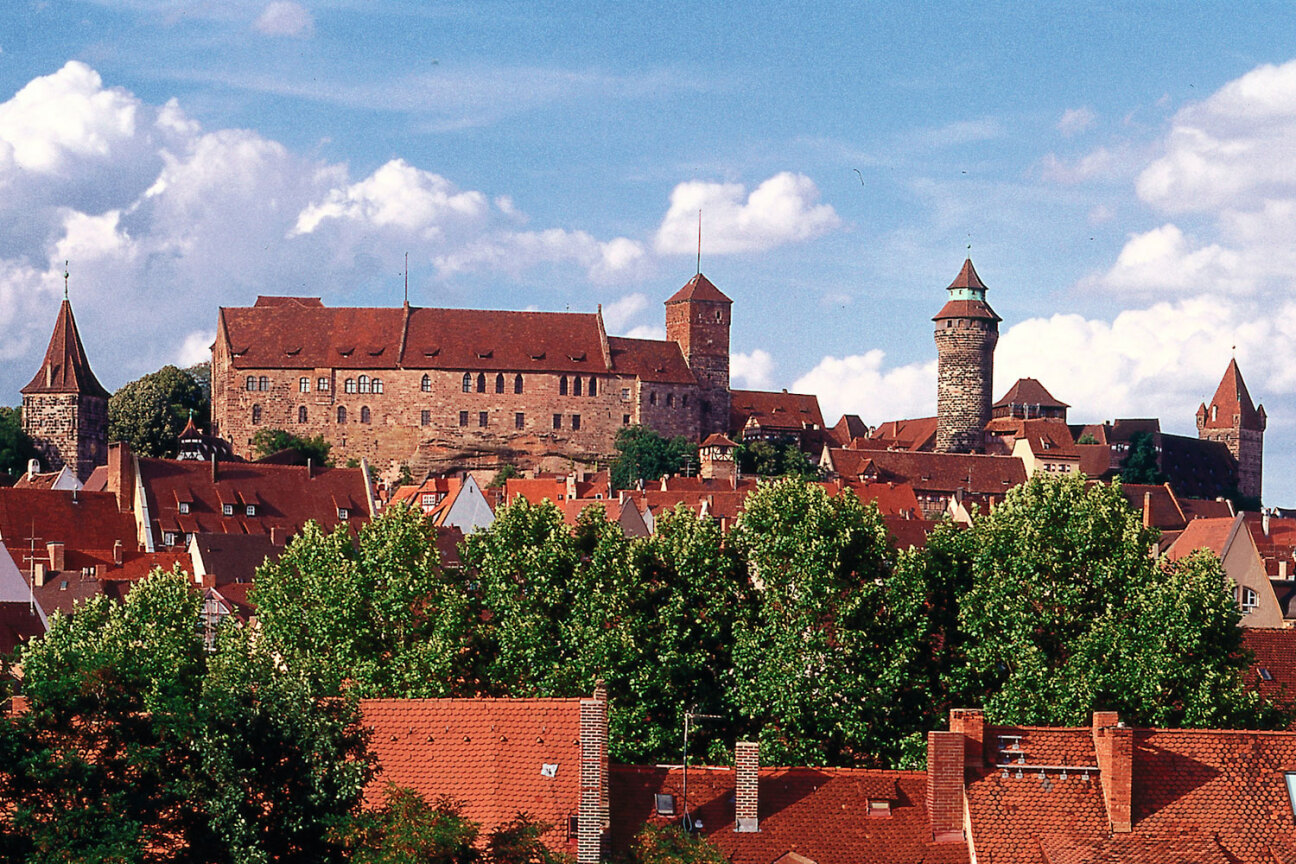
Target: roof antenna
699,260
406,278
65,279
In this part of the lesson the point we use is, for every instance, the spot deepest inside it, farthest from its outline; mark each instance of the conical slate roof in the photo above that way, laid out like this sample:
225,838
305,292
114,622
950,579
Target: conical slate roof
65,368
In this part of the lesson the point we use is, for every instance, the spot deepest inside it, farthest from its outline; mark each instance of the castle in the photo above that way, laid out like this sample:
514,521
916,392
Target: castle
440,389
434,387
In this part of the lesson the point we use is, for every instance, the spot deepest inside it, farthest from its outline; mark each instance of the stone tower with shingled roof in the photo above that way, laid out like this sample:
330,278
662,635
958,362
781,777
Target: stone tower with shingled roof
1233,419
65,408
697,319
966,332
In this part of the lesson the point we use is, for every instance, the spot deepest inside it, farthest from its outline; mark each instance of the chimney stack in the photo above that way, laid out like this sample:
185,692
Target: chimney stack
121,476
214,471
593,779
945,754
33,468
1114,745
1147,509
746,786
971,723
1264,520
38,573
56,557
117,552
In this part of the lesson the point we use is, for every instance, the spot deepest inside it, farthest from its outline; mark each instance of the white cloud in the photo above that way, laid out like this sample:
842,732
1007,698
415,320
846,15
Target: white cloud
397,195
285,18
1096,165
619,313
783,209
754,371
858,384
1075,120
1163,260
516,251
196,348
647,331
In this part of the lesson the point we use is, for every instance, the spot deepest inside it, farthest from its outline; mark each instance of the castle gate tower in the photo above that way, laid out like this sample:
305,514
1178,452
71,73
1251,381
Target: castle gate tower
1233,420
966,332
697,319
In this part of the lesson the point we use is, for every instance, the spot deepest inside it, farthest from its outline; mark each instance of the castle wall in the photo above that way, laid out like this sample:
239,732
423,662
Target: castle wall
964,376
67,429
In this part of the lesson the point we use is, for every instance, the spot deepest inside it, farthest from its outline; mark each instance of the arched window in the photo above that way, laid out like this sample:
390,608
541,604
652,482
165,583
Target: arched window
670,400
303,385
263,383
684,400
499,383
467,383
576,385
341,414
251,382
562,386
350,385
322,385
377,385
481,382
364,414
517,384
593,391
364,383
426,384
256,414
301,414
652,398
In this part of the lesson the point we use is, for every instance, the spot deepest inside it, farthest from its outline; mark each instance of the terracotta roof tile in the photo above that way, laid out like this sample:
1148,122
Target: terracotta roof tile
1209,534
65,368
1231,403
699,288
966,309
774,410
650,360
918,433
967,278
1028,391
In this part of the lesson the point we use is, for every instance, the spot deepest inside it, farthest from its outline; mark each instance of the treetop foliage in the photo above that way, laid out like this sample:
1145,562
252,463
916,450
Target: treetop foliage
16,448
643,455
150,412
269,441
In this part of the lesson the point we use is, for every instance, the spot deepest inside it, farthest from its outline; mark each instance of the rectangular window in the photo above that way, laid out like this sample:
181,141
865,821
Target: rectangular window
168,538
664,804
519,420
227,509
1290,777
250,510
322,385
425,418
575,422
303,385
625,394
625,419
429,499
557,421
343,514
481,419
463,418
184,507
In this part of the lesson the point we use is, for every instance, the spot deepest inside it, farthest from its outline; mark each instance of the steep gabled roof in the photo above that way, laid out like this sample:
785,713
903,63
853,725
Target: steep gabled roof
1231,403
1028,391
699,288
65,368
968,278
774,410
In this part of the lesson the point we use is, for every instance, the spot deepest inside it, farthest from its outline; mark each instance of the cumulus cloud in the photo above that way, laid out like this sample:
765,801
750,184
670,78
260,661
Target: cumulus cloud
618,314
398,195
1075,120
783,209
285,18
861,384
754,371
196,348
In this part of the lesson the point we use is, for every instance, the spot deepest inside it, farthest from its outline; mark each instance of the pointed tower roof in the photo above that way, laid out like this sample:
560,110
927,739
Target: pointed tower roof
190,430
967,297
1232,400
65,368
968,278
1028,391
699,288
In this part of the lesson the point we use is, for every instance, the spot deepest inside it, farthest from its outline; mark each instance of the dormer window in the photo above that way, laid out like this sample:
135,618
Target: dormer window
1250,600
1290,777
227,509
879,807
184,508
343,514
664,803
250,510
169,538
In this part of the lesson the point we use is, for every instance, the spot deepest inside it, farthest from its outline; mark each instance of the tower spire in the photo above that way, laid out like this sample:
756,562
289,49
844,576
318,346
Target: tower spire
65,279
699,258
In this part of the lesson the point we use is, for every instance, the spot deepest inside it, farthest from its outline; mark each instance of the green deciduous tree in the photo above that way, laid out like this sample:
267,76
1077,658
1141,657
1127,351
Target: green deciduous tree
378,612
15,447
406,829
645,455
151,411
669,844
140,746
775,459
1140,465
268,441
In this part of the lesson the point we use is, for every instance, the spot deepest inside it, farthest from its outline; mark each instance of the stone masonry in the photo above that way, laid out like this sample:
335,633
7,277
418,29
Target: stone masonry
967,330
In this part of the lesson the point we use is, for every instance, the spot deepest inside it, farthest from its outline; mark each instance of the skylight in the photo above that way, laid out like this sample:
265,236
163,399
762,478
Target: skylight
665,803
1290,777
1265,674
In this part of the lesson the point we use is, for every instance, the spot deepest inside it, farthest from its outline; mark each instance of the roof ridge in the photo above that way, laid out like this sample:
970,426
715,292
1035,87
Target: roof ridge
65,369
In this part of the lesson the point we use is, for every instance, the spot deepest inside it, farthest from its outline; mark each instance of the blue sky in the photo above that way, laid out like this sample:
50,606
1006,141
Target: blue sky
1124,173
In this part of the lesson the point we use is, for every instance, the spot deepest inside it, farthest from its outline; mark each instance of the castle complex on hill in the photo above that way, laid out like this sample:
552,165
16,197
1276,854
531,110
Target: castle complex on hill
445,389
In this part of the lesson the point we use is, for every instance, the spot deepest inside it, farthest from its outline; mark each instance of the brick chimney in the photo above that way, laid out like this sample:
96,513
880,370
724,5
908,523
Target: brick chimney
121,476
56,557
593,780
38,574
971,723
1114,745
746,786
945,753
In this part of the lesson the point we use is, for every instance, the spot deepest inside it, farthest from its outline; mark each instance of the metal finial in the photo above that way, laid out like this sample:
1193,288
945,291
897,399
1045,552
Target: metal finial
65,279
699,258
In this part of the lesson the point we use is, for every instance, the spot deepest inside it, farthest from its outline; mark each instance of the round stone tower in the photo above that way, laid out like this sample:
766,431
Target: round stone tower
966,332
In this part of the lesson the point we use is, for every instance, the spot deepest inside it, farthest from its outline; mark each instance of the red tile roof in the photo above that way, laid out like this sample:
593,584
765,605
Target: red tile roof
847,429
65,368
966,309
968,278
1205,508
699,288
1211,534
933,472
1028,391
1275,653
918,433
774,410
650,360
1095,459
818,813
1231,403
79,520
285,497
1158,504
488,753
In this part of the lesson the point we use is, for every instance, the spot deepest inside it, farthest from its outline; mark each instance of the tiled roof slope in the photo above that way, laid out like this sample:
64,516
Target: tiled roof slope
818,813
1210,534
918,433
967,277
699,288
778,410
488,753
79,520
1158,504
966,309
1197,796
285,497
1232,401
1275,653
1198,468
1028,391
944,472
292,335
65,368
